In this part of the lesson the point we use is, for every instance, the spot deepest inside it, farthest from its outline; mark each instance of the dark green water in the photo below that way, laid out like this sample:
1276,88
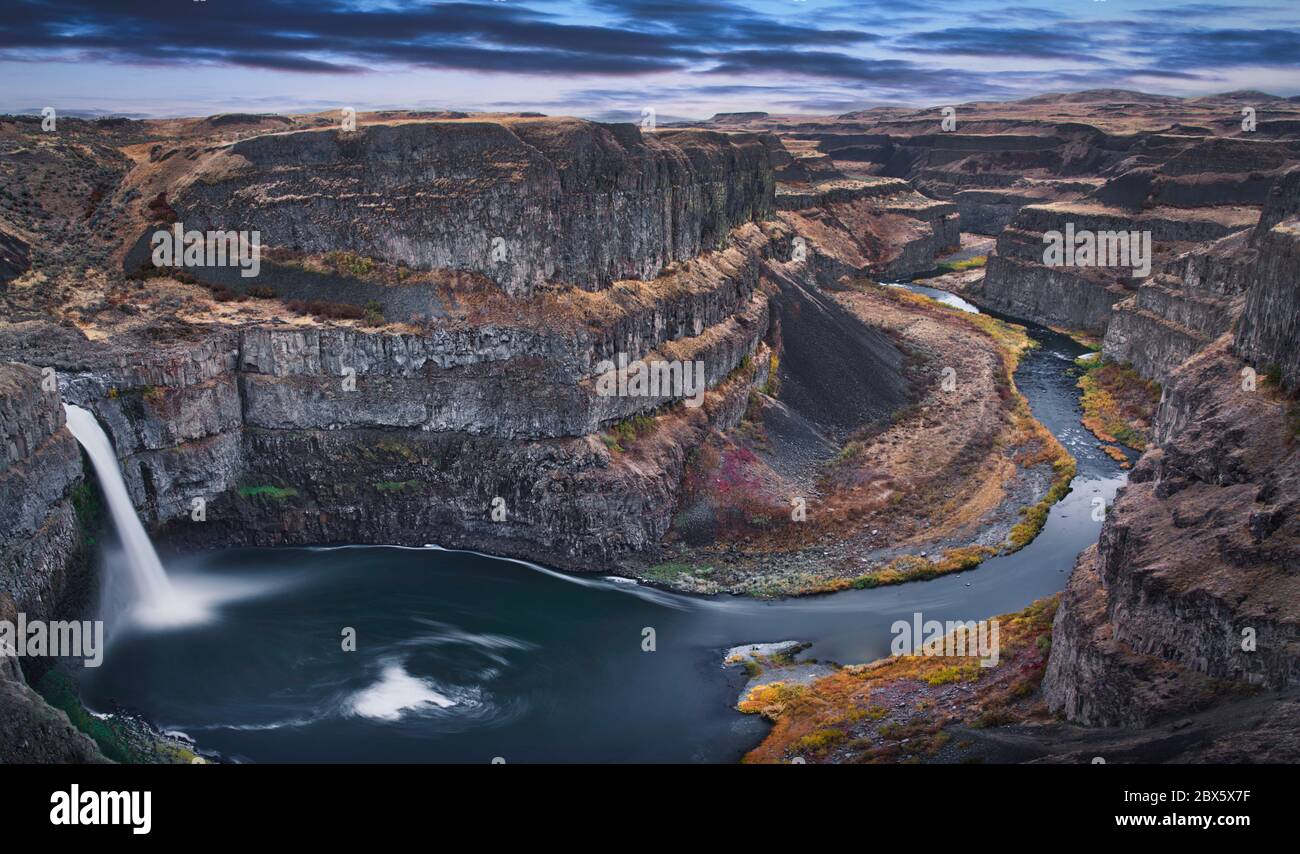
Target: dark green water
463,658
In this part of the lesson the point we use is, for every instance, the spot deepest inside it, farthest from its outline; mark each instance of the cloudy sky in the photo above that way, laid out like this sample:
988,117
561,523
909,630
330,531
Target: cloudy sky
610,58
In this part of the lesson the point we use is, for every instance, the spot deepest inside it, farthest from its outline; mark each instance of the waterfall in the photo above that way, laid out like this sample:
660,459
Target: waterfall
156,602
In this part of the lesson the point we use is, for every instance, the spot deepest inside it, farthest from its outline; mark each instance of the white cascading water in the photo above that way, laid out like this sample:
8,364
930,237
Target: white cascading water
156,602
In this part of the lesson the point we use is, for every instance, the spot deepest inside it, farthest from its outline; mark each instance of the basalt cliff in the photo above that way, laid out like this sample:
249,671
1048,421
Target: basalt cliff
1191,599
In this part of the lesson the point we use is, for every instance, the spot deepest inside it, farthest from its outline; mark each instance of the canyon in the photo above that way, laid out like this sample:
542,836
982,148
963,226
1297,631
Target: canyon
438,291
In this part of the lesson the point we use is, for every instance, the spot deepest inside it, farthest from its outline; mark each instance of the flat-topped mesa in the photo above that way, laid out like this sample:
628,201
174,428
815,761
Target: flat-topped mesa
988,211
525,202
793,197
1209,173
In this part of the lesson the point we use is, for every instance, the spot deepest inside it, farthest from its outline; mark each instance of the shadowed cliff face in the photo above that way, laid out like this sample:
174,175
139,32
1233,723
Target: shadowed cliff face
40,465
1269,332
1019,282
1192,595
837,373
14,260
41,545
1192,592
524,202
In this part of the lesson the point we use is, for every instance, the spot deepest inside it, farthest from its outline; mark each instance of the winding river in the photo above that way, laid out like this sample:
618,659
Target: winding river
462,657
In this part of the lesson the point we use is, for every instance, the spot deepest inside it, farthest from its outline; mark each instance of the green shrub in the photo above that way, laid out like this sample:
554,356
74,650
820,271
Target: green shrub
275,493
89,510
968,264
398,485
59,691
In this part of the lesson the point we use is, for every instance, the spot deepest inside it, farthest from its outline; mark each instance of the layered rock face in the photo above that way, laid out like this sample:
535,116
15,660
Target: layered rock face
1019,282
1191,196
515,200
487,424
1194,586
1182,309
40,465
407,438
412,433
1269,330
1192,594
484,425
41,542
1201,292
989,211
507,381
1184,170
879,226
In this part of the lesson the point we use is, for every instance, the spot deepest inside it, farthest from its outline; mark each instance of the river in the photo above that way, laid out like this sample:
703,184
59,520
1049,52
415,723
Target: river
467,658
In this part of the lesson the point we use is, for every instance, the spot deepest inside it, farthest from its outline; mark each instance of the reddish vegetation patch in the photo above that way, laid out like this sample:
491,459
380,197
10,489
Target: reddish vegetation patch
322,308
160,211
731,494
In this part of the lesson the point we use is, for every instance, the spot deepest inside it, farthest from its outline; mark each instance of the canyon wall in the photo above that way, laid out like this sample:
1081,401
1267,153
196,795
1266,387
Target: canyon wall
263,425
1019,282
300,431
42,542
1268,334
1190,596
40,466
1200,293
487,427
1184,171
877,226
517,200
310,432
